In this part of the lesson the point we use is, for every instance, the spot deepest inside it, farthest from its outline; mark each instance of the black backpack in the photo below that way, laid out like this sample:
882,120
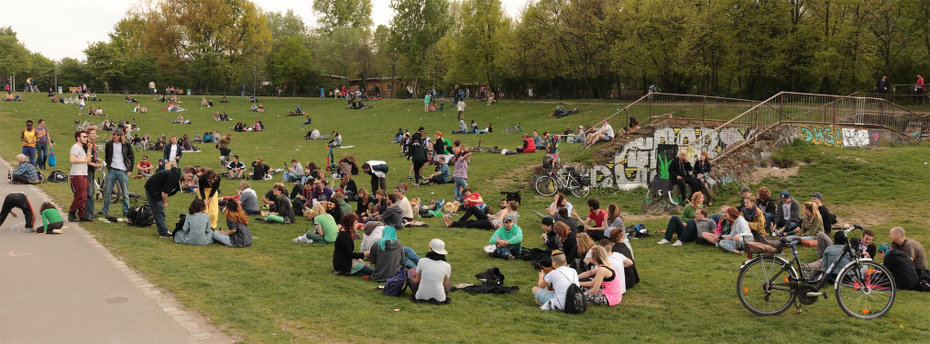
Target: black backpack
574,299
140,216
57,177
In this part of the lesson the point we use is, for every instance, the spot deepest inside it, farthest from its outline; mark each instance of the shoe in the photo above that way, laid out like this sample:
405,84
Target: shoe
111,218
510,257
54,231
86,219
663,242
303,239
677,243
165,236
72,217
38,231
409,178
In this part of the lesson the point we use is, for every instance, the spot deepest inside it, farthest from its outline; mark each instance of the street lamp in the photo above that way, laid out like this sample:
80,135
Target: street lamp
254,70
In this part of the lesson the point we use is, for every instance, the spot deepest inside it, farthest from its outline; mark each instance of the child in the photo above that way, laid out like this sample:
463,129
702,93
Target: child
51,219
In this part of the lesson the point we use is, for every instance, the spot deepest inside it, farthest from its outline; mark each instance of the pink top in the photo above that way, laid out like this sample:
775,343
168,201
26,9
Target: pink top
610,287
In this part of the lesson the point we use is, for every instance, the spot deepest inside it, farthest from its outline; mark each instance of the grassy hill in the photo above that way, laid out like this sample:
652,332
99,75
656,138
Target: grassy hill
279,291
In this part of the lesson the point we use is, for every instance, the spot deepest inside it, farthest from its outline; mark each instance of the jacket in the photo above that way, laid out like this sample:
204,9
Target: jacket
386,261
128,156
167,151
795,211
378,168
678,168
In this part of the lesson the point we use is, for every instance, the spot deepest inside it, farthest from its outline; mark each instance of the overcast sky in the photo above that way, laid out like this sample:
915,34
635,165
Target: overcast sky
63,28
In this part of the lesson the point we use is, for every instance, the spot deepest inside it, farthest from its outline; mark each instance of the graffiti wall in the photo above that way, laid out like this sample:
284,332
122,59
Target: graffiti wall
642,160
837,137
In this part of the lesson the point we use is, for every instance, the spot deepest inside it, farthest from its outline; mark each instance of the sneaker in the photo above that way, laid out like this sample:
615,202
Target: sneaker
72,217
86,219
677,243
303,239
663,242
409,178
165,236
111,218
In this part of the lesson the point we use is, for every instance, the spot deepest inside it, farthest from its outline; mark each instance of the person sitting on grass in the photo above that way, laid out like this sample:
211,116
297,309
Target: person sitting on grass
348,187
463,128
144,168
684,227
620,254
51,219
25,173
372,231
604,134
238,234
441,176
552,287
388,255
346,261
294,172
811,225
557,236
595,214
260,171
753,215
913,249
196,229
392,215
431,282
324,227
507,239
235,168
482,220
739,232
248,199
284,212
787,215
604,287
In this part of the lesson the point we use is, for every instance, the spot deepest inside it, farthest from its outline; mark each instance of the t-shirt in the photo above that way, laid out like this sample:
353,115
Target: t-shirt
461,105
432,273
329,226
560,279
235,164
461,168
608,130
406,209
30,137
915,251
598,217
118,162
249,201
78,169
469,200
173,153
145,164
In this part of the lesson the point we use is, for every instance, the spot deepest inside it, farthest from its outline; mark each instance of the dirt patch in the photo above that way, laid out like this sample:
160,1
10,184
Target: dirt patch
759,173
516,175
863,215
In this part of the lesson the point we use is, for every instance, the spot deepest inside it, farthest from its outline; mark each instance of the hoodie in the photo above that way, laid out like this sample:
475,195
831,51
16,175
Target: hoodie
393,216
386,261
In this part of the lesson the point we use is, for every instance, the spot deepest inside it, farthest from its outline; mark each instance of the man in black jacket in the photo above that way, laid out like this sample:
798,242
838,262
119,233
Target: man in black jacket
679,173
120,159
173,151
159,187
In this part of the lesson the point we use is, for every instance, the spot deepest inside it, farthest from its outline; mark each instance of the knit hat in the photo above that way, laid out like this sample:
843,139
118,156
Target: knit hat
547,221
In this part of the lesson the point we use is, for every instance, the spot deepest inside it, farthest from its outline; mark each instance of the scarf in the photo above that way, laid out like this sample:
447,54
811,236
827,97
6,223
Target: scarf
435,256
749,213
388,233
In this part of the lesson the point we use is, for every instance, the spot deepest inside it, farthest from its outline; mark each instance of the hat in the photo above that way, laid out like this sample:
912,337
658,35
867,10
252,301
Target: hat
548,221
884,248
511,216
818,196
785,195
745,189
466,188
438,246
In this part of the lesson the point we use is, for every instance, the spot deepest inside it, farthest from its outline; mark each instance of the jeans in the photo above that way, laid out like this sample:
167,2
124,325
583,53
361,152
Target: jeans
410,258
91,190
78,203
459,184
789,225
317,239
507,250
290,177
158,210
729,245
122,178
42,154
686,232
715,217
222,238
769,221
30,152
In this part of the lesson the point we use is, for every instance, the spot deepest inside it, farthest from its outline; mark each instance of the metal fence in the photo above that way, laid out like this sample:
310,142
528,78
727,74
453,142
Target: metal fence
656,105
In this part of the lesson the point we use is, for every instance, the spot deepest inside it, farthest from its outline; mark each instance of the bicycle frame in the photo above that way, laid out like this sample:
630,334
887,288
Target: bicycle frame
818,283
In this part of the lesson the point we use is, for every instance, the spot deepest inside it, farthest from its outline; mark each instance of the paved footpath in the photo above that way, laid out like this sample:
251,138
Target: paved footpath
68,288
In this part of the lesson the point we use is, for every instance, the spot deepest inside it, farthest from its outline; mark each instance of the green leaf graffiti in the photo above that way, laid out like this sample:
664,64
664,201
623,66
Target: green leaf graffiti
663,166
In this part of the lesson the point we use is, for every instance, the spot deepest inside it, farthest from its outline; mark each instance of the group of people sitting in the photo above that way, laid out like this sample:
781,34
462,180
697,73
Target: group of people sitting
242,127
139,109
472,128
221,117
257,108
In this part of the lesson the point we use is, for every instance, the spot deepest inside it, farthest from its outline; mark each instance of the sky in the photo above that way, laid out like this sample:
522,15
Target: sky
64,28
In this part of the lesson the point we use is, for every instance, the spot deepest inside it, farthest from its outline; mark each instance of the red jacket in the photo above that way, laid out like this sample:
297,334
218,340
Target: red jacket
528,145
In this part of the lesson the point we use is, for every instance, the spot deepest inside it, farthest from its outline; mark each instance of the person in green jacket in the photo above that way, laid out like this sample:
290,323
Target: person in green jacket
507,239
685,226
51,219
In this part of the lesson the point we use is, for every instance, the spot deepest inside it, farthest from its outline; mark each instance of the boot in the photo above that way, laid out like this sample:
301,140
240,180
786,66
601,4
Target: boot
72,217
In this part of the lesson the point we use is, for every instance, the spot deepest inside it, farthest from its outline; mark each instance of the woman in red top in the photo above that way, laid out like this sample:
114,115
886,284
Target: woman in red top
920,89
529,145
597,215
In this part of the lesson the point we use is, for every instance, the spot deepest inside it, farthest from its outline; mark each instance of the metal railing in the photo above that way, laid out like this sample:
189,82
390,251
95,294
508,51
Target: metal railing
657,105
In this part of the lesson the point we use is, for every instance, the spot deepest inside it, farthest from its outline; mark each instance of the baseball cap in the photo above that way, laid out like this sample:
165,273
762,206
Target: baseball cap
511,216
818,196
438,246
785,195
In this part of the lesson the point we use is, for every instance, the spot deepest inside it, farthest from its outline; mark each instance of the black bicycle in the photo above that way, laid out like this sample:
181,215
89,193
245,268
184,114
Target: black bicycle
769,284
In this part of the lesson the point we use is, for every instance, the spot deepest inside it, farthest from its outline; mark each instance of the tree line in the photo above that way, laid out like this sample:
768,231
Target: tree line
557,48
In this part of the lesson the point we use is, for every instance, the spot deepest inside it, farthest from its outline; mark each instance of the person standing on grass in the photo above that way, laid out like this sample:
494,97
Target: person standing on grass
460,173
18,200
209,185
29,137
461,108
79,157
162,185
172,151
119,157
43,143
92,166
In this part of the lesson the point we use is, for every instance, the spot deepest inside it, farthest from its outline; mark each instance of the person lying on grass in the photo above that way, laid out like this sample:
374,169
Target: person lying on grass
482,220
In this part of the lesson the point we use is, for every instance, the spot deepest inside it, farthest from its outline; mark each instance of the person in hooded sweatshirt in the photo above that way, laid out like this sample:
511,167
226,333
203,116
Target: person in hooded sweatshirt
388,254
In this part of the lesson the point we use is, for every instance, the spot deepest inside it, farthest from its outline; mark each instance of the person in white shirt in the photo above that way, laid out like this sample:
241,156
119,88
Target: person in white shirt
403,203
433,273
604,134
461,108
79,158
120,160
551,288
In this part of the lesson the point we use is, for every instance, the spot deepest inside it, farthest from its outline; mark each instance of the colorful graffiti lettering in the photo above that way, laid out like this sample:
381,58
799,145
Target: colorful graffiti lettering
819,135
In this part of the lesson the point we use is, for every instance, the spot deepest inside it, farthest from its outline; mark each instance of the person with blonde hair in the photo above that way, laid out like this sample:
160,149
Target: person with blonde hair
325,229
25,172
605,287
685,226
585,243
812,223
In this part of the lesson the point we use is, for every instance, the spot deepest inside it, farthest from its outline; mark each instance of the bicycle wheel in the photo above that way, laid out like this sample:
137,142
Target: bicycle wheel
546,186
762,285
577,189
865,289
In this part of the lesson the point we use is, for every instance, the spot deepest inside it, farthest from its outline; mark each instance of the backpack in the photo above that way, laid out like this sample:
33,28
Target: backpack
574,299
140,216
57,177
395,285
52,161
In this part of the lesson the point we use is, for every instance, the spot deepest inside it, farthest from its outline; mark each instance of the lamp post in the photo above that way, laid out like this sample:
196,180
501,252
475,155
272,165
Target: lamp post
254,70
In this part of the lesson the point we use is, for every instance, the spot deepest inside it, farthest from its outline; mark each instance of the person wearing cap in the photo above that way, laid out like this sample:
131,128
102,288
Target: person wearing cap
787,215
432,279
551,287
828,219
507,239
120,159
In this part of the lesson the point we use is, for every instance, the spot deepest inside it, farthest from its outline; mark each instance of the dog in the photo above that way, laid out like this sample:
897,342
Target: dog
451,207
511,196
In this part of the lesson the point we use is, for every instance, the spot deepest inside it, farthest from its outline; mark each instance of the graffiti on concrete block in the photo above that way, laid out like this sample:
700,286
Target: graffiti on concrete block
875,136
853,137
821,135
638,163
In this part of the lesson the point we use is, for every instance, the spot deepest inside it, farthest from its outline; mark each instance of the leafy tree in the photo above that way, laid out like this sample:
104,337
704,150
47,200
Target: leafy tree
15,56
415,29
288,63
480,41
343,13
285,24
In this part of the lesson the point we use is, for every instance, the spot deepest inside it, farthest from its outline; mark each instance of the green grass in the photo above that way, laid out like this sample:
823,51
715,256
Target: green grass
278,291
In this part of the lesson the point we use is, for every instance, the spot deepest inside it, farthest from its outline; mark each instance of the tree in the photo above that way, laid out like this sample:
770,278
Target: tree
343,13
480,41
288,63
15,57
416,27
285,25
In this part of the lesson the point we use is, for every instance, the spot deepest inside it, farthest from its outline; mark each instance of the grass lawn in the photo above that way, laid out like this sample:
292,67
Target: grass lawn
279,291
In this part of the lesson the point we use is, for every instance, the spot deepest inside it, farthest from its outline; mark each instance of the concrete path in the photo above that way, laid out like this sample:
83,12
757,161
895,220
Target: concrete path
68,288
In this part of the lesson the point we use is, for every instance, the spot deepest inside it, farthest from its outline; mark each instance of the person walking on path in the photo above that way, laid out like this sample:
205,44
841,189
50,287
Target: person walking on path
29,138
120,159
79,157
159,187
43,143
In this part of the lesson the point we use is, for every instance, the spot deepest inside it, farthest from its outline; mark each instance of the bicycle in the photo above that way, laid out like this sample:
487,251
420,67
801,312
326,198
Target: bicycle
513,129
769,284
552,182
